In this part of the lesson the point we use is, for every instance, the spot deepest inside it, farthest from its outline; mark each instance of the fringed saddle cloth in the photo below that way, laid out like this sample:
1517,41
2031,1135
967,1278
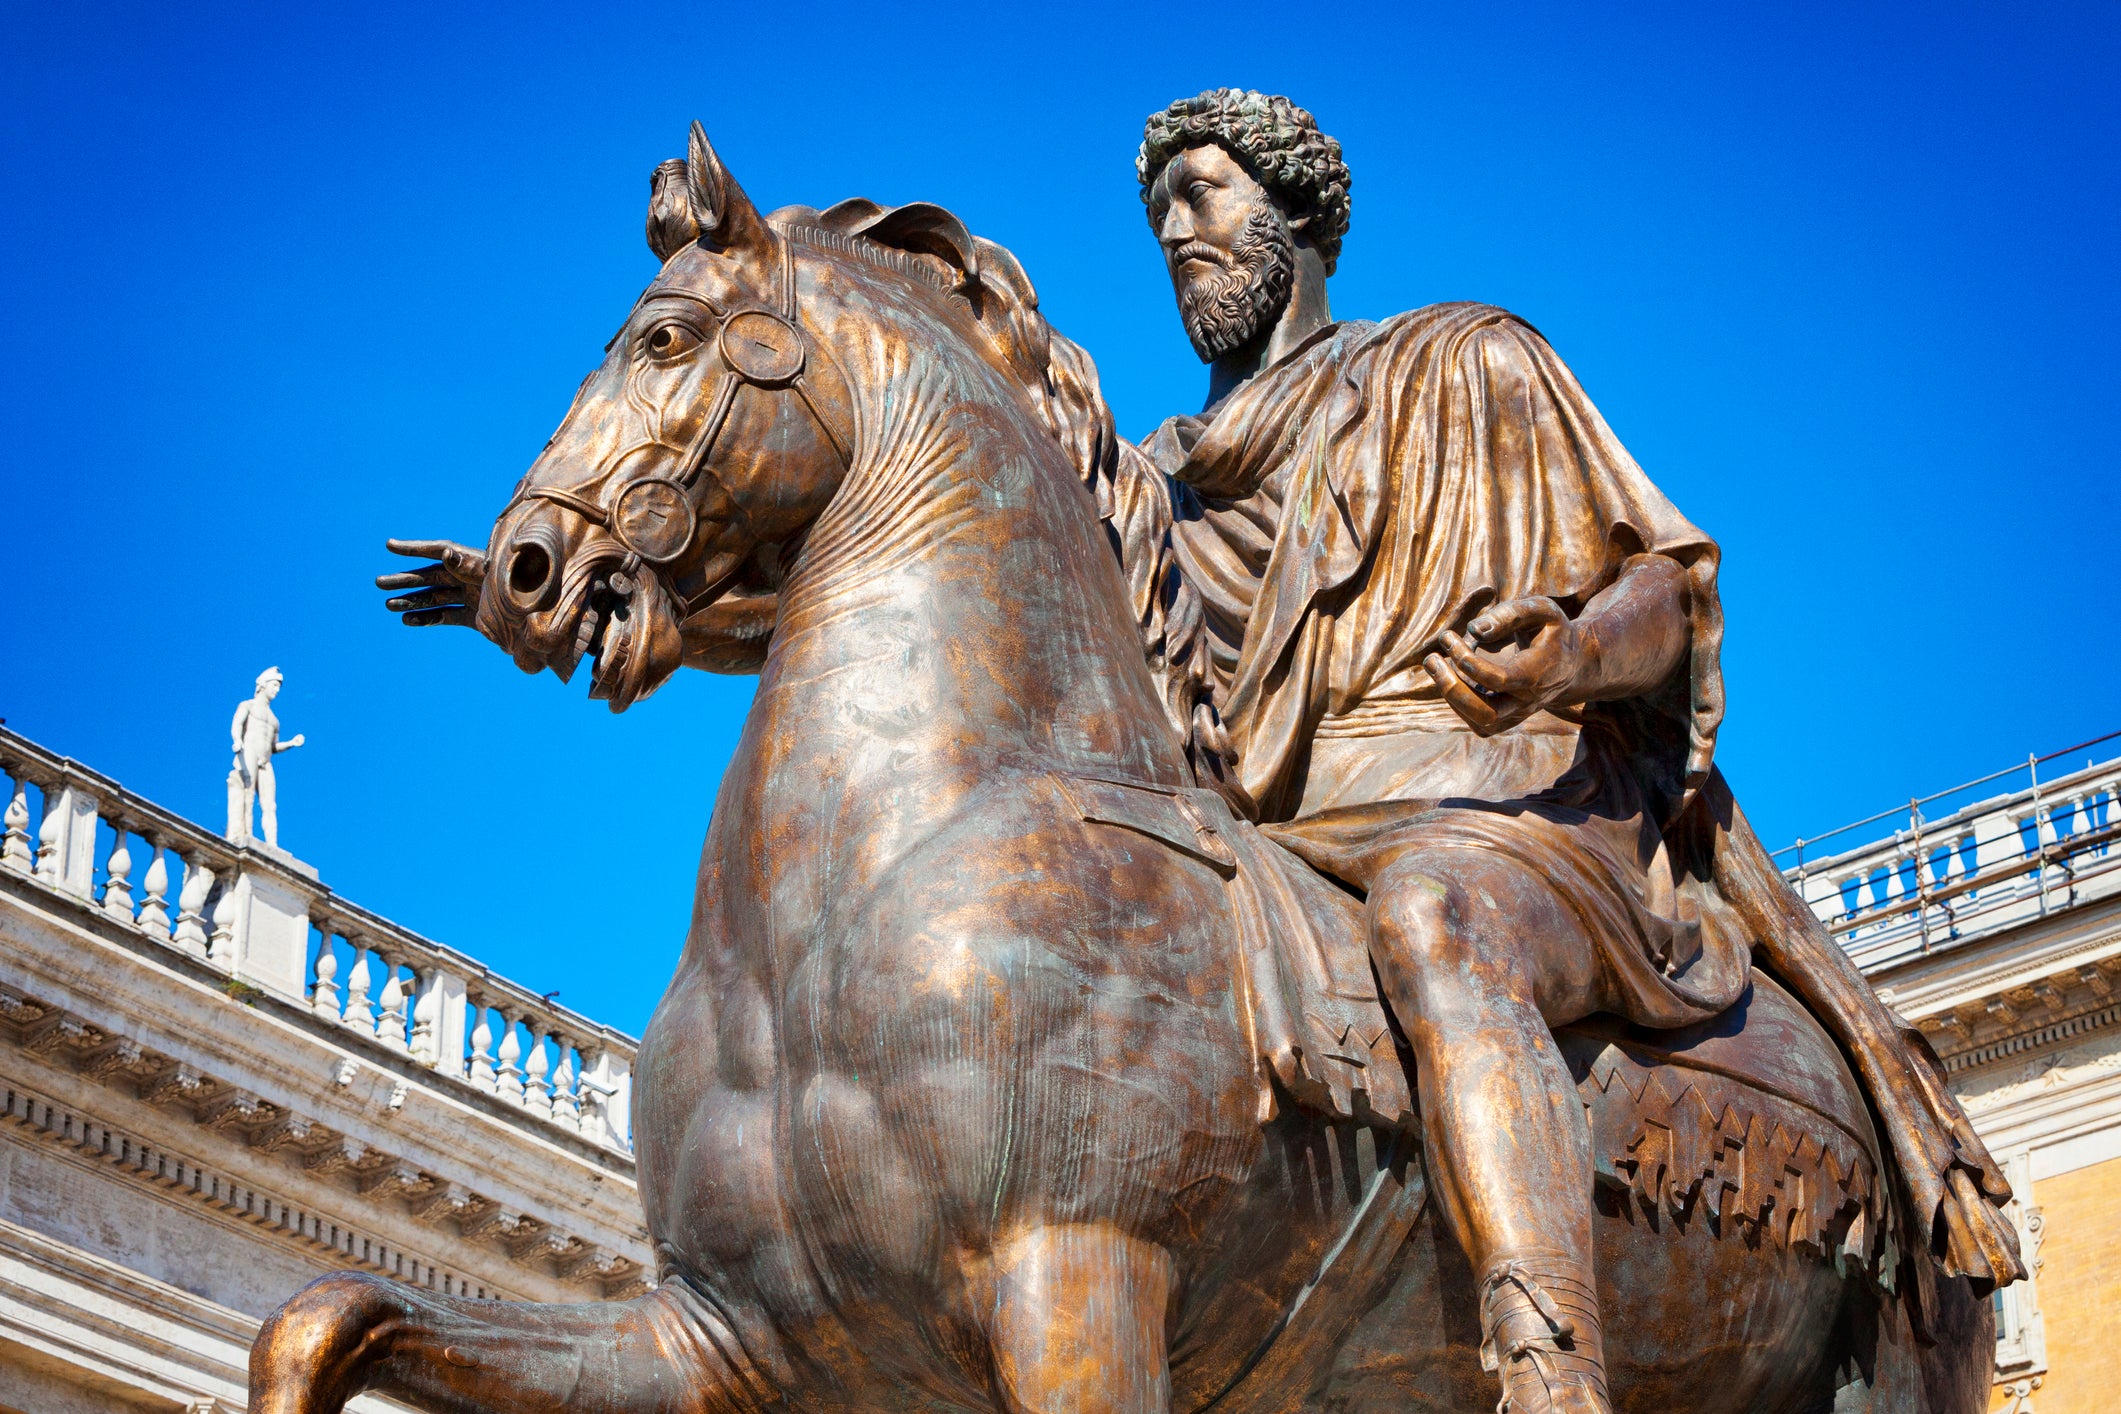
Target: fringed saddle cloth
1751,1120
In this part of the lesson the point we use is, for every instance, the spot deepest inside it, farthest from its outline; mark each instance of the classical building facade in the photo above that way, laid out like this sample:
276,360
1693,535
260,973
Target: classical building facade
220,1079
1995,926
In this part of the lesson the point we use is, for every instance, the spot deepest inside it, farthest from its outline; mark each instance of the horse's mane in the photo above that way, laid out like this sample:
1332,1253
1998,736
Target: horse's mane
932,248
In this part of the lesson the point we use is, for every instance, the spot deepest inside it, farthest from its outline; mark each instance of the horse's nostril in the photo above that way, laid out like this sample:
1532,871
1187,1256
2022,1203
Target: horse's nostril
528,569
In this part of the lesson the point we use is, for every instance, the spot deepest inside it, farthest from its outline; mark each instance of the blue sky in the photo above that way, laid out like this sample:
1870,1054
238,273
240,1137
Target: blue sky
276,284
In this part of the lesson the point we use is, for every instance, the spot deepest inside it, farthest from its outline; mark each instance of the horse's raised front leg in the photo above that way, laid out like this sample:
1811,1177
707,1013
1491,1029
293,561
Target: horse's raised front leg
1077,1324
349,1333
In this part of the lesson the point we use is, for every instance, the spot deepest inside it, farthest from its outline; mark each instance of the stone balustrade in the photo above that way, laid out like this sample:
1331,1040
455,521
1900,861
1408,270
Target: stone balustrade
263,919
1986,866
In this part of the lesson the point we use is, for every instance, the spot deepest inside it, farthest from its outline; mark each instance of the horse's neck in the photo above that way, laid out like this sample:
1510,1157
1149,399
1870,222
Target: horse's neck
955,618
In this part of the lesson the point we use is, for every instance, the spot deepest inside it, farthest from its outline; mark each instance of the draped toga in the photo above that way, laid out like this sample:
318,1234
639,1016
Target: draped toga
1294,555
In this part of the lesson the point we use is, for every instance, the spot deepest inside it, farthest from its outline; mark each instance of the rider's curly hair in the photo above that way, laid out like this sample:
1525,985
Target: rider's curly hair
1273,139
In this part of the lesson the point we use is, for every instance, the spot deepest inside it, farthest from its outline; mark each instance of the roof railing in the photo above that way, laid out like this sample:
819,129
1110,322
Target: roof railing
262,919
1986,865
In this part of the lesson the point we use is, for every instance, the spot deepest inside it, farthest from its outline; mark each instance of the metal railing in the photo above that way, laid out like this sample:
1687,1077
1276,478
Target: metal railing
1963,870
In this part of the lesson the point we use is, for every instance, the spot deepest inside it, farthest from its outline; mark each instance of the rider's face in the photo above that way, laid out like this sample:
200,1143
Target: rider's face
1200,204
1228,247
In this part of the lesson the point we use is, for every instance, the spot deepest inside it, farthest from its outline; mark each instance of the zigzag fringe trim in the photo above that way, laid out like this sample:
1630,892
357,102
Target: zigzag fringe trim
1752,1173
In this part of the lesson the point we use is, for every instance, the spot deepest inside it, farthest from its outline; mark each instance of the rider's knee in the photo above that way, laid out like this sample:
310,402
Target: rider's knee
1416,921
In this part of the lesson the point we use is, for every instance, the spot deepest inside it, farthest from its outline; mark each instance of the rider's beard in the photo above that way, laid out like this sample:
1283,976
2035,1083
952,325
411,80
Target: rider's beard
1225,309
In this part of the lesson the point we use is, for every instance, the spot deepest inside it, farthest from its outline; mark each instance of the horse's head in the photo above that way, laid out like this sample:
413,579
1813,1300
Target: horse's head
690,465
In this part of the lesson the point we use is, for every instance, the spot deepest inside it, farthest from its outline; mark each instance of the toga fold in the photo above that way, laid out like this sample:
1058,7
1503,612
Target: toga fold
1294,555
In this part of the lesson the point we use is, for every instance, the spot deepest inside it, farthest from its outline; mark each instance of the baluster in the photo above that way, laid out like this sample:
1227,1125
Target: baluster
566,1109
483,1074
14,848
359,1014
49,864
390,1027
117,882
426,1009
438,1018
222,945
619,1109
536,1097
593,1099
154,909
66,842
1851,889
511,1087
324,991
191,908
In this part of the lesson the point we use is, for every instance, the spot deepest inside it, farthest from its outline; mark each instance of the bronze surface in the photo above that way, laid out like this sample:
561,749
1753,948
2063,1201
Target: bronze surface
1303,959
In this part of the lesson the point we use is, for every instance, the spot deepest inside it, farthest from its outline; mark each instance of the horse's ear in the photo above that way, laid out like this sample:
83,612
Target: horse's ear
725,215
671,224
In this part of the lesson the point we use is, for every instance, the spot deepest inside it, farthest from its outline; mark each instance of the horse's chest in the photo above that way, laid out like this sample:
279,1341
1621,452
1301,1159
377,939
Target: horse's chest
1015,1029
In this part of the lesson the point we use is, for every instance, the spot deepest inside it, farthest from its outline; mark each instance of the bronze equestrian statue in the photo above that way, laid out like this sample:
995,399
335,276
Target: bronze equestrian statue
1305,958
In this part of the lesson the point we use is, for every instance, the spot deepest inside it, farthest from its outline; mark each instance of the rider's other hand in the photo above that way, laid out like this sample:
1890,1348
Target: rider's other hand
1530,657
446,592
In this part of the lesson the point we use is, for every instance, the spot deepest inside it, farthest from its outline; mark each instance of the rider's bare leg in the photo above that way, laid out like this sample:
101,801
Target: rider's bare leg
342,1335
1481,959
1077,1322
268,804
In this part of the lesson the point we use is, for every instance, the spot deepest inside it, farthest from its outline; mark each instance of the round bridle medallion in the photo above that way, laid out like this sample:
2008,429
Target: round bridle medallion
762,348
655,519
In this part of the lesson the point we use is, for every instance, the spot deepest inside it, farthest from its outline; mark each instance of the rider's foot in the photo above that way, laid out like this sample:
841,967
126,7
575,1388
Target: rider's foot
1540,1332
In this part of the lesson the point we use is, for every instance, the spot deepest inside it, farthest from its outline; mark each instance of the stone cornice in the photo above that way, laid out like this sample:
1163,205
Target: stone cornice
2044,984
177,986
2069,1094
291,1100
315,1161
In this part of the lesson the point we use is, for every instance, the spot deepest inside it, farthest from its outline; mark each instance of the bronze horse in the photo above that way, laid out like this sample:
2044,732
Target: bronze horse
958,1099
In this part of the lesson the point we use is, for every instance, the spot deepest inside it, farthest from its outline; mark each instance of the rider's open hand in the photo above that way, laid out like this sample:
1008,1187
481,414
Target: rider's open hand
1531,656
446,592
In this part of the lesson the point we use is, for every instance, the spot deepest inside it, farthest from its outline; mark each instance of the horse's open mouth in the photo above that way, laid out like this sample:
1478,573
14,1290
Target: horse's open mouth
625,625
625,619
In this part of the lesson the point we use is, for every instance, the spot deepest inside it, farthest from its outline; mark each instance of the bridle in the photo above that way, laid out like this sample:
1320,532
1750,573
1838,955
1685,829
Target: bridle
655,517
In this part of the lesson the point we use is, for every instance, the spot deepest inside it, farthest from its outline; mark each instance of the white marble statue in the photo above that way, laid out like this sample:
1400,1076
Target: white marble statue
255,734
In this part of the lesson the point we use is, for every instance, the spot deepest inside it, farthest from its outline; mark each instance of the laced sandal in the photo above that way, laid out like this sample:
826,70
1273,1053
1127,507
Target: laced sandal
1541,1334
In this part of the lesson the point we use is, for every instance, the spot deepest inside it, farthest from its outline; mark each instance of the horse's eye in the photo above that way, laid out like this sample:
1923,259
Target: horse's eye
673,340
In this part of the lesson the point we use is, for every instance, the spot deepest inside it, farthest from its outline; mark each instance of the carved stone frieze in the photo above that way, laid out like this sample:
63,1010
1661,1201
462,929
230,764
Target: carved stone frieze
125,1062
288,1131
174,1083
2070,998
392,1177
234,1108
56,1034
448,1202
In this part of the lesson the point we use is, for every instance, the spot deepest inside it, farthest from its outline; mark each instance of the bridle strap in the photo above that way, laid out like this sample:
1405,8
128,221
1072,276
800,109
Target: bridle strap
693,462
586,508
